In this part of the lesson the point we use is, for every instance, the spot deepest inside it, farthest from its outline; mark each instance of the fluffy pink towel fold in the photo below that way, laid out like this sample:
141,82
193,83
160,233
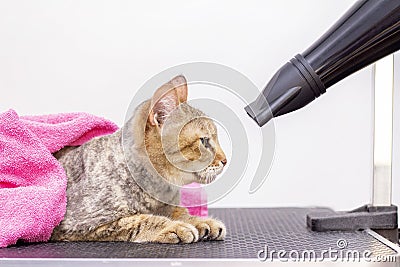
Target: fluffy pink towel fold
194,197
32,182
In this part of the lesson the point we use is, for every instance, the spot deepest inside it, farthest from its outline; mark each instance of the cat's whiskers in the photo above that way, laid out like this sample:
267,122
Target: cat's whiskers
209,174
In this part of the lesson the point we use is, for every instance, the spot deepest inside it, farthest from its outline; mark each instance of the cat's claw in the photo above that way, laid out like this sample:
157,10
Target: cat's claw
210,229
178,232
217,229
203,228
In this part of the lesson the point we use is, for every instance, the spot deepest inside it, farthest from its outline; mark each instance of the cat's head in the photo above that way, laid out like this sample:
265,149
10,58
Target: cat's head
181,142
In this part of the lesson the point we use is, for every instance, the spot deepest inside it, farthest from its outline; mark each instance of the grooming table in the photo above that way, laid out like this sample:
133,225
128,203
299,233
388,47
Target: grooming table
249,231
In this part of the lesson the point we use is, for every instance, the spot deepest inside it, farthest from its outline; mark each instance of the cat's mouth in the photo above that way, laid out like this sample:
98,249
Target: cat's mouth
209,174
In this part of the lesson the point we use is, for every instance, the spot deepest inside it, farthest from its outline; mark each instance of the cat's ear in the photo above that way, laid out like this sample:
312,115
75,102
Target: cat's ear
180,85
167,98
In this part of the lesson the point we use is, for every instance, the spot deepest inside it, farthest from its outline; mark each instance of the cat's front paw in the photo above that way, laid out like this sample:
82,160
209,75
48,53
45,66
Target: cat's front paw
209,229
178,232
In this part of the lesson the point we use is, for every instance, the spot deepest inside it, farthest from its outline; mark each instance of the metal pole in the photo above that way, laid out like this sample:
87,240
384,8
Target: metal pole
383,85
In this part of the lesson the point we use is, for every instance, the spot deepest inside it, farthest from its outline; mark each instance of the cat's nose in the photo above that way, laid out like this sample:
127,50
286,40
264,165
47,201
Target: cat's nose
224,161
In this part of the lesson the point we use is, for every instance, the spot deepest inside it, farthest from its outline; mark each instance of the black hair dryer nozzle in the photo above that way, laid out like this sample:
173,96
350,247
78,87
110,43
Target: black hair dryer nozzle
367,32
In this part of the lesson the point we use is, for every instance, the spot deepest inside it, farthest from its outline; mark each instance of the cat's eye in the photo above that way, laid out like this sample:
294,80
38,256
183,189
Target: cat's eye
205,141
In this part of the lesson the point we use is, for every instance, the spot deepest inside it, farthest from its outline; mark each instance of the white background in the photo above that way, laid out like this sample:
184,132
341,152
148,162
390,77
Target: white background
67,56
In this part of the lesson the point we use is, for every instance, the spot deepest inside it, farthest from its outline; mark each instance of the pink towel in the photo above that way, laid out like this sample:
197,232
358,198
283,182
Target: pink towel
194,197
32,182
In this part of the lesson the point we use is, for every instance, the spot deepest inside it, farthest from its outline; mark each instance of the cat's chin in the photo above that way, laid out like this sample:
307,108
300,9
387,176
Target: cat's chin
205,180
207,177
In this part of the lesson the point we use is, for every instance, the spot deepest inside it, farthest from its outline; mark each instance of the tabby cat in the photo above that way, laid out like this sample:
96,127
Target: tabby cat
104,201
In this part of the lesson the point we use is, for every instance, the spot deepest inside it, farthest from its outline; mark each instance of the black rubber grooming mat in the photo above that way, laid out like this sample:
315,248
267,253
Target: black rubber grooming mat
249,230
